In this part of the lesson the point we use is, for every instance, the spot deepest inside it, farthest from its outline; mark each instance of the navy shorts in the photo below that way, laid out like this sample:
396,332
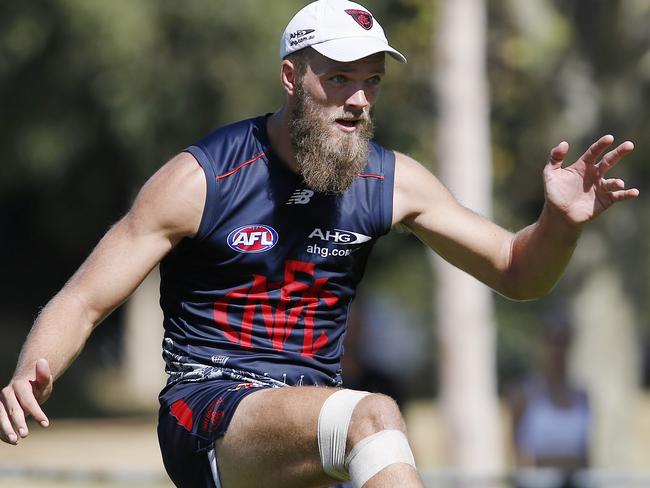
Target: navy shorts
192,416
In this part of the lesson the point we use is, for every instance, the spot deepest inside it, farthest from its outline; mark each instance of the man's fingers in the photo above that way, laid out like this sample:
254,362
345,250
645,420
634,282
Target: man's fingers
592,154
18,400
15,411
558,153
622,195
612,184
612,157
617,191
7,432
29,403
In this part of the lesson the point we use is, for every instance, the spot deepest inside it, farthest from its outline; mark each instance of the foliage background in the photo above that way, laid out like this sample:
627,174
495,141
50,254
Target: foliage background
95,96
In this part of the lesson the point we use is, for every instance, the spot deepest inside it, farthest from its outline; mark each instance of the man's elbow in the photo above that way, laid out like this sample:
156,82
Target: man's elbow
525,292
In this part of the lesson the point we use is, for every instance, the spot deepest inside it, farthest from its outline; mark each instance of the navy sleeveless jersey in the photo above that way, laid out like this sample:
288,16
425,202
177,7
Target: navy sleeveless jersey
261,293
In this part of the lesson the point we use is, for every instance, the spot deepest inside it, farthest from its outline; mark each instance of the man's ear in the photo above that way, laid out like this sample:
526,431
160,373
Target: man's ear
288,77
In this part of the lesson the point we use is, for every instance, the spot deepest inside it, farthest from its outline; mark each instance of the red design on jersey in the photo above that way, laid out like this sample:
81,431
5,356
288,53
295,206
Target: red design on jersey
370,175
246,163
298,300
183,414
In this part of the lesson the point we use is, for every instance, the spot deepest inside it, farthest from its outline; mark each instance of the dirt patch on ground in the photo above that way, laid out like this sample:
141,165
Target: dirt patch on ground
85,453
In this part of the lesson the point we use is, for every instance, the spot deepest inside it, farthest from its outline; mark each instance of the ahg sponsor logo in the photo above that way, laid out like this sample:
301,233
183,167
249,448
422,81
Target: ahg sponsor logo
252,238
300,33
300,36
339,236
326,252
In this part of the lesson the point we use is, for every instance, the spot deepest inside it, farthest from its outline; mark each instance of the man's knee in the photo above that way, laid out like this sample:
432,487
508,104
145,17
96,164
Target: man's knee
359,434
373,414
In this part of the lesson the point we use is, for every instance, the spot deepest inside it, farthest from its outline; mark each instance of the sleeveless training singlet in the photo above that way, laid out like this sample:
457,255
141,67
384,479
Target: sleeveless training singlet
261,294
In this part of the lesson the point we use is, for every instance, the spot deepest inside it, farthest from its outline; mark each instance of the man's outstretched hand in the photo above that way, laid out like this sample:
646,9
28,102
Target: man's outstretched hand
581,192
22,397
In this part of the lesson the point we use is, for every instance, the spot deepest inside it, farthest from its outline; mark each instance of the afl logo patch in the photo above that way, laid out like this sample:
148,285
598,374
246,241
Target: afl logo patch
253,238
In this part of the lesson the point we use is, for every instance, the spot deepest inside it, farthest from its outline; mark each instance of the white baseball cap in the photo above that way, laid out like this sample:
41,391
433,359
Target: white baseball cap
338,29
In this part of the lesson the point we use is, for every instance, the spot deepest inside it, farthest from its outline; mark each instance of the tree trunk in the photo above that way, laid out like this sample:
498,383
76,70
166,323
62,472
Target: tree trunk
143,367
464,307
607,361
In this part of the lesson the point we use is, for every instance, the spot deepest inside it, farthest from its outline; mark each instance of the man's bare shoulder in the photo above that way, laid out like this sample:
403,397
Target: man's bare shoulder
173,198
416,189
182,169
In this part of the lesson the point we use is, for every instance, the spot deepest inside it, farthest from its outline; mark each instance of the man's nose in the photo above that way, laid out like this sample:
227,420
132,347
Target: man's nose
357,100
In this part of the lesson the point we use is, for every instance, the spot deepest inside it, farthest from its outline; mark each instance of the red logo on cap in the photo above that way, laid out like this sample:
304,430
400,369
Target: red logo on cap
363,18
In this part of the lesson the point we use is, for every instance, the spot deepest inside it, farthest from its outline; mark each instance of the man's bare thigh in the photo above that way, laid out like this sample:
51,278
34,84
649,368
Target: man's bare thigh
272,439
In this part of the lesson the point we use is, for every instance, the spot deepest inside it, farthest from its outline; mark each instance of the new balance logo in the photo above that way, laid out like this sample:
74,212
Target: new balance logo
300,197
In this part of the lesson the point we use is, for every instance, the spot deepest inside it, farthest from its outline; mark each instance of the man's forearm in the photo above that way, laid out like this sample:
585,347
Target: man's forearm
540,253
58,335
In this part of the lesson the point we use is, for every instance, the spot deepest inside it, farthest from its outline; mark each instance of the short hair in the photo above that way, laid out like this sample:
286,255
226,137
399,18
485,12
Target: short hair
300,60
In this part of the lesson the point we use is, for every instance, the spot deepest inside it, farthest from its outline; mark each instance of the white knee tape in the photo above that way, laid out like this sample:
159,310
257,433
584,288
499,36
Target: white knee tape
376,452
333,423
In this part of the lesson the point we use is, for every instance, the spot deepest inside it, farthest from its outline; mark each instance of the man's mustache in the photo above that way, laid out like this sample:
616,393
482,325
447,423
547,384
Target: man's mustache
363,117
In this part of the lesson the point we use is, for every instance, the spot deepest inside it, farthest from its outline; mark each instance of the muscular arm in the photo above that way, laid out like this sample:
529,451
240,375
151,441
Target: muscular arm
462,237
168,208
522,265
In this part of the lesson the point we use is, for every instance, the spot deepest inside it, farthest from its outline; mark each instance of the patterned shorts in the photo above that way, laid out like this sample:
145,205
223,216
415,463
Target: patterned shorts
192,416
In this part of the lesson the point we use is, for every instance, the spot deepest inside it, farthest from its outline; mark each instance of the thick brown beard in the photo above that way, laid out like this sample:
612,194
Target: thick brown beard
328,159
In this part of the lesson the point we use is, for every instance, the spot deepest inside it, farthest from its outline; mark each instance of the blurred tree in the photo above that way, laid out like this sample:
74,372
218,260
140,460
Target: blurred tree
96,95
556,76
465,311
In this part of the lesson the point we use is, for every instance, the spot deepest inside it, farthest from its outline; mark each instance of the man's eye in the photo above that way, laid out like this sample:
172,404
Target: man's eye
338,79
375,80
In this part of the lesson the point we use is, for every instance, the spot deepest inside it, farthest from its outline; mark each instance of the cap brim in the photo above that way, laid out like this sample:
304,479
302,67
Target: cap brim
354,48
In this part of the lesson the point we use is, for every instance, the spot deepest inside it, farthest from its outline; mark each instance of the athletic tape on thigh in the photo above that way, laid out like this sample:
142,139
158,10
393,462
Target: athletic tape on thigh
376,452
333,423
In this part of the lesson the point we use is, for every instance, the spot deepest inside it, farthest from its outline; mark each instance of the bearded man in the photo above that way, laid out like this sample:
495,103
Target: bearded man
262,230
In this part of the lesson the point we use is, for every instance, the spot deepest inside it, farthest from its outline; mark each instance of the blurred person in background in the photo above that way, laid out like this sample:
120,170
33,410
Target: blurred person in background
551,414
385,347
262,230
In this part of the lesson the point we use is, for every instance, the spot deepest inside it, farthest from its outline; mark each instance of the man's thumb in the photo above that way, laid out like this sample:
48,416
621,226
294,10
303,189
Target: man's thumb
43,374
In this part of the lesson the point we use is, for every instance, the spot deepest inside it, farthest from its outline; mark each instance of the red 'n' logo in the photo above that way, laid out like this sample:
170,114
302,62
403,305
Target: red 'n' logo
363,18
